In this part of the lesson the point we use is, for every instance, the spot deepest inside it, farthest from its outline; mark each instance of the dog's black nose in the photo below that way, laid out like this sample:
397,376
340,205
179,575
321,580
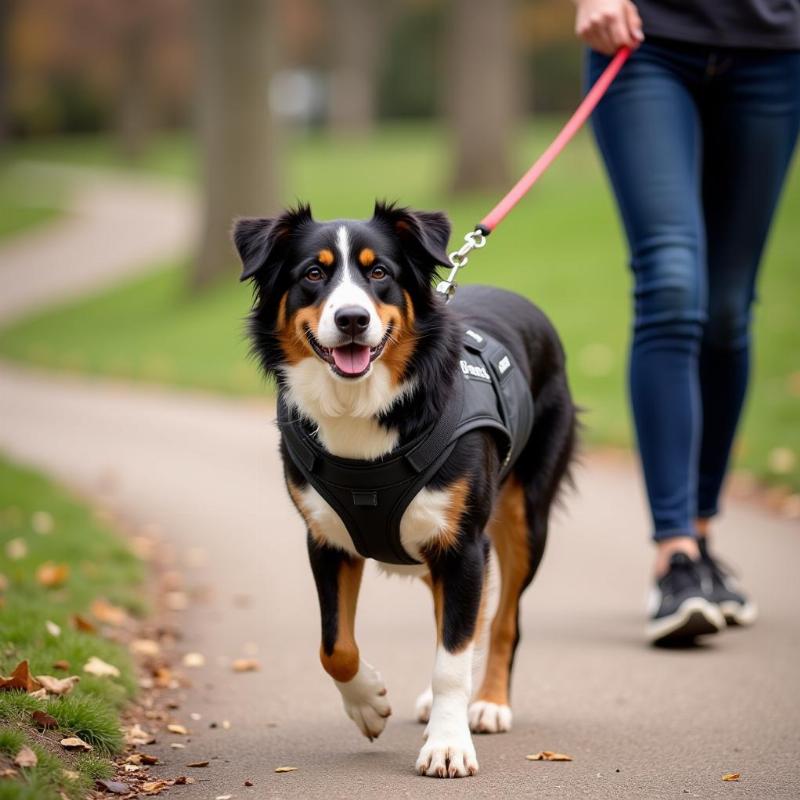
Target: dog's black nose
352,320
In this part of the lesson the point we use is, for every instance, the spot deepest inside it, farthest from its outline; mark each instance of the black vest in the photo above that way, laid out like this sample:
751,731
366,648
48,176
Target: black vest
371,496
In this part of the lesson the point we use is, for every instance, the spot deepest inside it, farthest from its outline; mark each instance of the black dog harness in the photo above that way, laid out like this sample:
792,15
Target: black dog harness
370,497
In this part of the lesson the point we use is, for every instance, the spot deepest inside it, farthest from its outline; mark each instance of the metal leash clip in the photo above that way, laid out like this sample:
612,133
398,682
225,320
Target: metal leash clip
474,240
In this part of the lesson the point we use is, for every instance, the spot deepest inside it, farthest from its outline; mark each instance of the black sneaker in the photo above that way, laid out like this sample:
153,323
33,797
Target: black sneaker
680,606
725,592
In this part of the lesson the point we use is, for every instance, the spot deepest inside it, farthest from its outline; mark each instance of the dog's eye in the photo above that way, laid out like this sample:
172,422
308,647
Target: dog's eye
314,274
378,273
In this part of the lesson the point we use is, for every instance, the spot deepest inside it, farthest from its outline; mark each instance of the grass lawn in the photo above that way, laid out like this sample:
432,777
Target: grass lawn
41,524
562,247
23,204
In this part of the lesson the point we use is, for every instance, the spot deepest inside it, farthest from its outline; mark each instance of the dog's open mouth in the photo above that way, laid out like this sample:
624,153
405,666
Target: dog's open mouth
349,360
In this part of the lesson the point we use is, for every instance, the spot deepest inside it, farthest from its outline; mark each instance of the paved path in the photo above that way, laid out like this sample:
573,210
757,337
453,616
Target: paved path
117,224
639,723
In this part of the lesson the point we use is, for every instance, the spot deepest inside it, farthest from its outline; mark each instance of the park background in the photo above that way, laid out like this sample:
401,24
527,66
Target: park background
131,135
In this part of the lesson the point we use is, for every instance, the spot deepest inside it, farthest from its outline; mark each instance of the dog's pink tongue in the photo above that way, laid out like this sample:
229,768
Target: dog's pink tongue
352,359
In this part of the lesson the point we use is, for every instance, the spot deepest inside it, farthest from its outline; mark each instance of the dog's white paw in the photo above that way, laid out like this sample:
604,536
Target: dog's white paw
422,708
454,758
365,700
485,717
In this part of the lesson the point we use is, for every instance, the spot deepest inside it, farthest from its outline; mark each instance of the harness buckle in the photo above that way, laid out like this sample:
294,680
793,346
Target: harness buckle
459,259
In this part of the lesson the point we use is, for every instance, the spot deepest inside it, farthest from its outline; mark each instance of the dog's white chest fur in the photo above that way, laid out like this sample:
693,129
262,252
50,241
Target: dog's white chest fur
423,523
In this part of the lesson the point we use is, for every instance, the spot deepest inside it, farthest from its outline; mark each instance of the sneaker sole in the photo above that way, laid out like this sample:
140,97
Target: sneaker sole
694,617
738,614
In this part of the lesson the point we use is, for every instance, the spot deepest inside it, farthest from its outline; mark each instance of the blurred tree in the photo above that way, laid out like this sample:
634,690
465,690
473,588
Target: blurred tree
359,29
481,88
237,135
5,43
134,121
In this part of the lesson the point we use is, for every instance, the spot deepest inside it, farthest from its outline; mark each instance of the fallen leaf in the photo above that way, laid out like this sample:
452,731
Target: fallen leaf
155,787
732,776
137,735
177,746
226,724
70,774
20,678
223,797
41,719
176,601
50,575
52,628
26,758
101,669
246,665
82,624
548,755
61,664
141,758
179,729
16,549
286,769
58,686
183,780
198,764
194,660
74,743
110,614
42,522
115,787
145,647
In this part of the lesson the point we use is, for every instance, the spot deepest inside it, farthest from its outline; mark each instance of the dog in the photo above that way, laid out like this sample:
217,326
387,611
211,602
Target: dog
373,369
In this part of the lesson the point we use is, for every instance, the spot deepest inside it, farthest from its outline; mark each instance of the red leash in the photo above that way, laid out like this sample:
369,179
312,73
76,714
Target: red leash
477,238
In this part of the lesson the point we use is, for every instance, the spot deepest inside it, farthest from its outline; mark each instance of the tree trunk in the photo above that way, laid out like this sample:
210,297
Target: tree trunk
480,100
134,112
358,27
237,133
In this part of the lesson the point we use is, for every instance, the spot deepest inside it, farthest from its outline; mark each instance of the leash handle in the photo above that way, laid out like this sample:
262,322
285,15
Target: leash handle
574,124
477,238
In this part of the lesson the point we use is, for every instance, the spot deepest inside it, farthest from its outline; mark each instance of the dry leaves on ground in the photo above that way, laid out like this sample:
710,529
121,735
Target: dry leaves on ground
75,743
147,648
115,787
21,678
732,776
198,764
100,669
41,719
286,769
53,629
103,611
246,665
139,759
156,787
80,623
51,575
26,758
194,660
137,735
174,727
548,755
58,686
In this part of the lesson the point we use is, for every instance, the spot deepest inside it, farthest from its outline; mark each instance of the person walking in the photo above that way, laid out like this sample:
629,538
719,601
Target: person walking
697,134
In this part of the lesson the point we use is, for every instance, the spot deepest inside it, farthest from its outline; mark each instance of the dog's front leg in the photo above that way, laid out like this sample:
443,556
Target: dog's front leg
458,578
338,579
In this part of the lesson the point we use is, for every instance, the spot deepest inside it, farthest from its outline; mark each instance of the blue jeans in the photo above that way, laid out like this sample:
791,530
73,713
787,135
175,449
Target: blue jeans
697,142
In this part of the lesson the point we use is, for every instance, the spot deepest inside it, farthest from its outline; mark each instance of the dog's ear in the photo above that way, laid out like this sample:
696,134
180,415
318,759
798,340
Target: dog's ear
424,234
261,242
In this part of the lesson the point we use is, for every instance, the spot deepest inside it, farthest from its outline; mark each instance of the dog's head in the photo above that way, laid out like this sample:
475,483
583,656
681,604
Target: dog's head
347,293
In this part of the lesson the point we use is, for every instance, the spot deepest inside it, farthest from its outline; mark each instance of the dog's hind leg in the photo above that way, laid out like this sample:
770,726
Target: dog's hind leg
338,579
518,531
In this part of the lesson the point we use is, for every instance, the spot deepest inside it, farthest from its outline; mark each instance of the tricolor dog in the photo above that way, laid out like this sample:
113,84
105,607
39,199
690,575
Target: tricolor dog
417,433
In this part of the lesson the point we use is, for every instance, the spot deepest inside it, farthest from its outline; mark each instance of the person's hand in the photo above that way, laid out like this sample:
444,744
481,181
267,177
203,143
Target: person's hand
607,25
